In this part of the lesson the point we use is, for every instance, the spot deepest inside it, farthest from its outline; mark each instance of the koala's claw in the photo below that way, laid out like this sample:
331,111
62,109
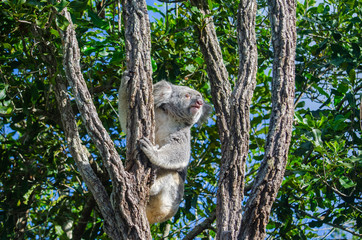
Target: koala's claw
148,148
125,78
145,143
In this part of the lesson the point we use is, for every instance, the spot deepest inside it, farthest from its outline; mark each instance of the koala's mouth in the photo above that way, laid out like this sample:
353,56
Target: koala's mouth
194,109
195,106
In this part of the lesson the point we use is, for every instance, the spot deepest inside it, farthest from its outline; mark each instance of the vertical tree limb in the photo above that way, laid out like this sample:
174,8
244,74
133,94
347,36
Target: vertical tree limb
77,150
80,155
232,110
138,57
216,70
130,191
232,175
140,119
271,172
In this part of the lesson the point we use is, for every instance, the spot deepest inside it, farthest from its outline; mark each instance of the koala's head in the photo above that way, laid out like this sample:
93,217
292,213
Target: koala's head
184,104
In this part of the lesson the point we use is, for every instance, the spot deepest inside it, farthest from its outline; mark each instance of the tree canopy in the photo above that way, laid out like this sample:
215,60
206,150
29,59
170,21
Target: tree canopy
42,193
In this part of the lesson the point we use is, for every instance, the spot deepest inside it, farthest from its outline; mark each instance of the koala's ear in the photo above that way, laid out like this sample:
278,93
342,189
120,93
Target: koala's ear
206,111
162,92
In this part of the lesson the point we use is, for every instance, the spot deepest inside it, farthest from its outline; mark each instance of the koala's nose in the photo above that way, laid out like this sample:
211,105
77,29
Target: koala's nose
199,102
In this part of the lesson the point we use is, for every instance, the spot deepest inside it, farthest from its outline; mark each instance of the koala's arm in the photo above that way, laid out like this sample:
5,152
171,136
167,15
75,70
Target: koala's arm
123,102
174,155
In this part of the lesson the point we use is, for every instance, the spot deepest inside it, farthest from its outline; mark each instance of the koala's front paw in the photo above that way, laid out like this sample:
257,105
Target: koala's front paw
125,78
148,148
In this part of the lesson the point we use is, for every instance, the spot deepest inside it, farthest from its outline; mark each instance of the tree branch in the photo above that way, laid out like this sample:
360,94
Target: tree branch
330,224
232,110
271,171
201,227
79,229
78,151
138,55
98,134
216,70
129,195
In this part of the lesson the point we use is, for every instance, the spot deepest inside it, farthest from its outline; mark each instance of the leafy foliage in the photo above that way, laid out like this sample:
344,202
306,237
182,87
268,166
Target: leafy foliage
41,190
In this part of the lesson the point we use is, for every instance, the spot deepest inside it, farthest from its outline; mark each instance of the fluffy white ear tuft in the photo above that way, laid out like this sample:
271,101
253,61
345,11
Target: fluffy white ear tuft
162,92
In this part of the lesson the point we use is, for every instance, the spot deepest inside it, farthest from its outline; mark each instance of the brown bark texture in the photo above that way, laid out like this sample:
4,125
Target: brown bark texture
271,172
232,111
77,150
124,210
138,57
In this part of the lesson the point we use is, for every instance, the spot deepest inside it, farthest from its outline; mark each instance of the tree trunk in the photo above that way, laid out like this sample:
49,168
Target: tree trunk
271,171
78,151
124,211
232,110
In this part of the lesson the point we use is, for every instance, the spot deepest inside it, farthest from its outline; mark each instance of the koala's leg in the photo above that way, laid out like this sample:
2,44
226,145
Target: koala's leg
165,197
123,101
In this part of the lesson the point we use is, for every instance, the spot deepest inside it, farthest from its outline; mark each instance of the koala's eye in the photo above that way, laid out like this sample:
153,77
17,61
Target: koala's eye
188,96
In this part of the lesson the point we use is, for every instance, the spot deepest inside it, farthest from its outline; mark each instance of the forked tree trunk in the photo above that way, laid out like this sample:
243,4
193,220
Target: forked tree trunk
123,211
271,172
232,109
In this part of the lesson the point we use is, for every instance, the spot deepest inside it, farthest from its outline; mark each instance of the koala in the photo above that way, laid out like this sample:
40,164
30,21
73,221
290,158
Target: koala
177,109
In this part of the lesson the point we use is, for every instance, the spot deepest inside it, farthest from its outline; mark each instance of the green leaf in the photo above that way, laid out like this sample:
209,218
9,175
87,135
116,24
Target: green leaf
352,76
28,194
346,182
320,8
298,117
156,10
2,93
117,58
356,50
190,68
97,21
199,60
59,231
314,224
317,135
154,65
61,5
103,53
61,22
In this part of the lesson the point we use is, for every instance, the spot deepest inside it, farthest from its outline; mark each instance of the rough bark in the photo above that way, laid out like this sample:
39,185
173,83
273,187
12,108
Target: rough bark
80,155
232,110
77,150
216,70
140,120
271,172
126,218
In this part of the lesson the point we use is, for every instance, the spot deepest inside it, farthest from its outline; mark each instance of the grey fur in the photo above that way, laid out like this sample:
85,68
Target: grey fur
177,109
